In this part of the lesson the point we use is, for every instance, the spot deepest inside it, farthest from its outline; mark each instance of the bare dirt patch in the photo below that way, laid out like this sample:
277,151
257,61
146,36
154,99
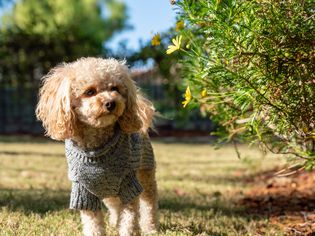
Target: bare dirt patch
288,202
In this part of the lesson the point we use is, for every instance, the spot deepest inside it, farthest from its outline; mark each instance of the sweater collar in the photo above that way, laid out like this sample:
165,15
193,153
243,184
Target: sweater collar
106,148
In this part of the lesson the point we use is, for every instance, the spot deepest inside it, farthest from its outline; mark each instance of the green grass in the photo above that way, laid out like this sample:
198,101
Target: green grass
198,186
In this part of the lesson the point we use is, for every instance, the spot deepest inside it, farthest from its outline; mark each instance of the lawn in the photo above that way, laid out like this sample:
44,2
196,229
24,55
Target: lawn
198,188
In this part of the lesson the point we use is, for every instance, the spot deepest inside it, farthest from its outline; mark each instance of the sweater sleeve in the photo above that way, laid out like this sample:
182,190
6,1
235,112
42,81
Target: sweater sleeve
82,199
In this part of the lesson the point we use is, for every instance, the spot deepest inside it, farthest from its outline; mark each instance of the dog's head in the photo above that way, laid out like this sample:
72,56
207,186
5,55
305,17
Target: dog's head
91,91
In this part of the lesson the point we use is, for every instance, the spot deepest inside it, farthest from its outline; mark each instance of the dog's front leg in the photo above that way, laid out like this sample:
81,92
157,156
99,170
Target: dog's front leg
93,223
114,206
148,202
129,219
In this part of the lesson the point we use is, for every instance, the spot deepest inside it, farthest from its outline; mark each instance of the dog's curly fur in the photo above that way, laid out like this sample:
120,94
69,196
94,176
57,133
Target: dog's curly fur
75,102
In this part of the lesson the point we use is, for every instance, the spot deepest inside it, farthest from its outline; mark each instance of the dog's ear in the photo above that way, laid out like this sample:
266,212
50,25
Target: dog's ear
146,113
139,111
54,108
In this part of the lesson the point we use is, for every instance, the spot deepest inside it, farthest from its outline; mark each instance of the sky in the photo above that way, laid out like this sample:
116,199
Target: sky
147,17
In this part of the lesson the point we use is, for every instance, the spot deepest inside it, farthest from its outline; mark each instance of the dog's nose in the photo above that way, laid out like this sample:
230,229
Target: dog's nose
110,105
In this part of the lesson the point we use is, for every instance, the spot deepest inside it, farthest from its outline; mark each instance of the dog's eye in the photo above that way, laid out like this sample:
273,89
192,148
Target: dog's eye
90,92
114,88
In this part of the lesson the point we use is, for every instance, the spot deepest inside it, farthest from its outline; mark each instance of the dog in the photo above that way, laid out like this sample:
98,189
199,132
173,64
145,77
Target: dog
95,107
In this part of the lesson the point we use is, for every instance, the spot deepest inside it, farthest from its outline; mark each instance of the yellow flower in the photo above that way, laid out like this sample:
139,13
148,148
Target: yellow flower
156,40
179,25
188,97
172,48
203,93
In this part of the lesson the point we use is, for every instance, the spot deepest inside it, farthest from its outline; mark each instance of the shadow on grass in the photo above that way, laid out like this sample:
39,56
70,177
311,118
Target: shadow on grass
204,203
34,201
41,201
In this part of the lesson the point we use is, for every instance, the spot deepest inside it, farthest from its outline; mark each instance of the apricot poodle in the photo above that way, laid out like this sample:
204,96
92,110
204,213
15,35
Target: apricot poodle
94,106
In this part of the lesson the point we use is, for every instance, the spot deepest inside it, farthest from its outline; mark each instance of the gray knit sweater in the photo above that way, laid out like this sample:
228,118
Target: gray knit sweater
109,171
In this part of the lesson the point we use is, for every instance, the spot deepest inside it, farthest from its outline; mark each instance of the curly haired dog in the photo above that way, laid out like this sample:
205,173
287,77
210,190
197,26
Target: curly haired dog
93,105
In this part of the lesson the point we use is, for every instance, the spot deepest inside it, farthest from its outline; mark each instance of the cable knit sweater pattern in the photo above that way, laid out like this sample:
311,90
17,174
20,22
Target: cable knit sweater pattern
109,171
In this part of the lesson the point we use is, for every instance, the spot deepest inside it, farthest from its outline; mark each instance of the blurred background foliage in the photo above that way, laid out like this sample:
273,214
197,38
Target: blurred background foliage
250,66
37,35
167,72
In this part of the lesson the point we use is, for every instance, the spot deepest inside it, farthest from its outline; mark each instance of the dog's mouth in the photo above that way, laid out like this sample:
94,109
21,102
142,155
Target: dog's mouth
105,119
104,115
107,114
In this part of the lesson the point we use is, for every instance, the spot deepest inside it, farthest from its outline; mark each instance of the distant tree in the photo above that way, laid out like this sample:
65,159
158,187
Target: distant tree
36,35
251,65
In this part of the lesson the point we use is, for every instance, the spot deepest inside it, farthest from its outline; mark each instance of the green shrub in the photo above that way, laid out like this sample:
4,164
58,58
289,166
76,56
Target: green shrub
250,65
